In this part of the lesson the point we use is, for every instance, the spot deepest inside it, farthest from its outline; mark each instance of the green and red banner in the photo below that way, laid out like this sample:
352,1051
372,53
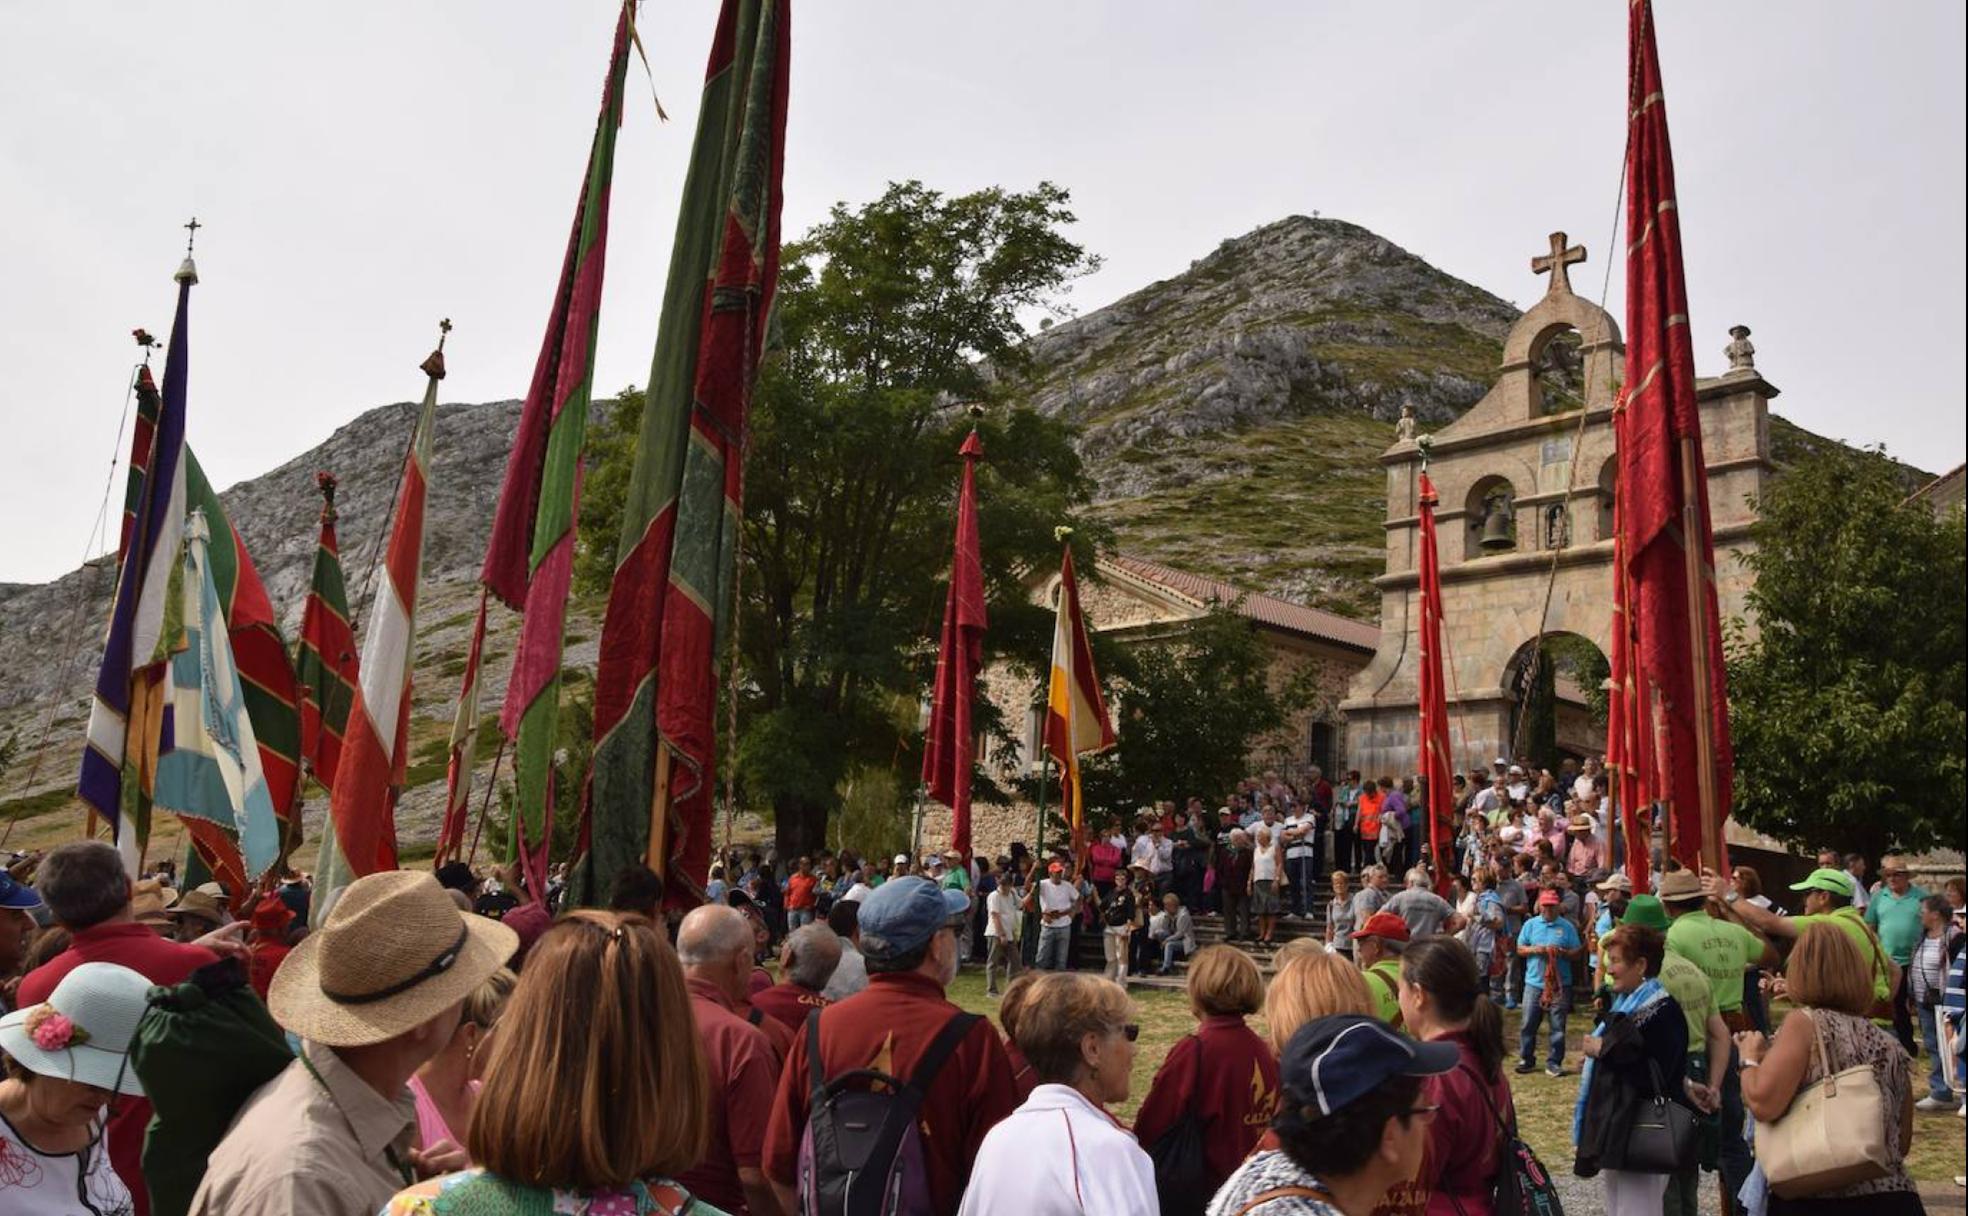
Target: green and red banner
670,601
1669,541
529,563
325,663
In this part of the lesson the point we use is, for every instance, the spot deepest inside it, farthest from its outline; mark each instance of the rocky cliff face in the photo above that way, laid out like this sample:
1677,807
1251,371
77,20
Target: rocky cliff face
1232,414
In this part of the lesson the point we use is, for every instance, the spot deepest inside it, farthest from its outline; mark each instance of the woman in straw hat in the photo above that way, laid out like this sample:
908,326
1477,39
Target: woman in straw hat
596,1095
374,994
66,1058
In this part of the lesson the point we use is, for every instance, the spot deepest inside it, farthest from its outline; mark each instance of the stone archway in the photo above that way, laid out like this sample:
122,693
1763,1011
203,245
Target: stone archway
1555,686
1556,576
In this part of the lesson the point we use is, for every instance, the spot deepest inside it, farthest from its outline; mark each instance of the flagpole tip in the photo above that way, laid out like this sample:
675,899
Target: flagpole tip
1061,532
434,366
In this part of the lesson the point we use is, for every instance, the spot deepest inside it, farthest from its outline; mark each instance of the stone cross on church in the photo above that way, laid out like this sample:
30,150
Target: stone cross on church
1559,262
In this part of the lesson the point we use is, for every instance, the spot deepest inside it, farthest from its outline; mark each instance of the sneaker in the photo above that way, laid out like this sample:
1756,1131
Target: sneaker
1509,1003
1526,1066
1930,1104
1554,1070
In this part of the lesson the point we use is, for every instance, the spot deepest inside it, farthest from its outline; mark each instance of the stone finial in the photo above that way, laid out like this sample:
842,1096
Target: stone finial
1558,262
1741,352
1404,429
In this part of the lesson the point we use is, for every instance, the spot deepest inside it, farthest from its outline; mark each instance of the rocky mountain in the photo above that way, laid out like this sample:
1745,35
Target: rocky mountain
1233,414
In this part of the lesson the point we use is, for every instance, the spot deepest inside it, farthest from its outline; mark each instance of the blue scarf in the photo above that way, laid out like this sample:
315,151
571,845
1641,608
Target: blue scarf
1637,1003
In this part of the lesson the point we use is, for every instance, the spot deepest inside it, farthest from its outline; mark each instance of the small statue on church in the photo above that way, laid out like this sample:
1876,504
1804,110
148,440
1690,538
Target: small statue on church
1742,354
1557,526
1404,430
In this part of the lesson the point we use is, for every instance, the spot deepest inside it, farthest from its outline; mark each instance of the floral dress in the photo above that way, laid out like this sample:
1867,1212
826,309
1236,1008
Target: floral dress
477,1193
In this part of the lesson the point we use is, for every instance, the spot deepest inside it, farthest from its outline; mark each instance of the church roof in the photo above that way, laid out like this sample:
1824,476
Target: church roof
1266,610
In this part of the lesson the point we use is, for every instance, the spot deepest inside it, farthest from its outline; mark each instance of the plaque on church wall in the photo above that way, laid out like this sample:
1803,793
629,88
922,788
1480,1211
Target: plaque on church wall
1557,451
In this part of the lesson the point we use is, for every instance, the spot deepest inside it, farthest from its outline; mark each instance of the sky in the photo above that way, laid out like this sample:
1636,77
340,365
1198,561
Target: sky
365,168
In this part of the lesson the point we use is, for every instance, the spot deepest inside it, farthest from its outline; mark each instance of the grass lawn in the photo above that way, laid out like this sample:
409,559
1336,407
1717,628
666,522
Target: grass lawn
1544,1104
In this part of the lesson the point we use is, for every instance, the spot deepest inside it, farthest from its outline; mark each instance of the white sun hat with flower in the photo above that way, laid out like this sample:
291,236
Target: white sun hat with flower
83,1031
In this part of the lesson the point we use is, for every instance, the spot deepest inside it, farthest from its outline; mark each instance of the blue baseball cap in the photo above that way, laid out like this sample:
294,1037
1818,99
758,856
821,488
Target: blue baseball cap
904,913
15,894
1333,1062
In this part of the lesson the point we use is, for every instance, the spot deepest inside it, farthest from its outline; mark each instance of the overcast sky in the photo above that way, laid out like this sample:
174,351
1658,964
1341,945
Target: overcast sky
366,168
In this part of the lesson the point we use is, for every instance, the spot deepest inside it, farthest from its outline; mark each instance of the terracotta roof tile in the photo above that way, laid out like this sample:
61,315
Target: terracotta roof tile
1264,609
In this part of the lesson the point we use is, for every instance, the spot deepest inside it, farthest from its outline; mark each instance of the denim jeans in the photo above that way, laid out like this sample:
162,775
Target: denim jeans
796,917
1055,946
1930,1038
1535,1014
1172,949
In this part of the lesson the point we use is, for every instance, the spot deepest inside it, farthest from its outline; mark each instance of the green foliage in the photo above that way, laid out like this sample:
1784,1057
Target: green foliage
885,314
1846,706
1187,711
605,491
875,817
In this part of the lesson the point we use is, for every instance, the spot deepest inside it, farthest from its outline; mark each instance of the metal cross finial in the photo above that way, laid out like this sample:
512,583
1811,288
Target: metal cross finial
192,228
1558,262
443,332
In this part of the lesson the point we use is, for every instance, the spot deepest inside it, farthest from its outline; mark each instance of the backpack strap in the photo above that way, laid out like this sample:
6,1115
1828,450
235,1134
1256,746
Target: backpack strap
1284,1192
816,1072
1391,991
754,1015
940,1049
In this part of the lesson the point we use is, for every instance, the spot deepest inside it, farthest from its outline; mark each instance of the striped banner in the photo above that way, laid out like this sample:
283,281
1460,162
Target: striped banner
669,602
325,662
126,714
1076,721
360,837
211,776
463,749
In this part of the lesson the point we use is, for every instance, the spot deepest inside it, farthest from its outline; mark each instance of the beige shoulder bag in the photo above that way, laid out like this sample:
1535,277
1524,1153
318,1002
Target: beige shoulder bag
1833,1135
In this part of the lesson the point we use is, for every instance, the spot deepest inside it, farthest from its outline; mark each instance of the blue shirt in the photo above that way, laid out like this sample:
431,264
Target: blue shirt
1539,932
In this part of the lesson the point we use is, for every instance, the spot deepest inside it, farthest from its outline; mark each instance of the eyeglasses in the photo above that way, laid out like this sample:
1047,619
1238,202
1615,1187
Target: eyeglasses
1131,1032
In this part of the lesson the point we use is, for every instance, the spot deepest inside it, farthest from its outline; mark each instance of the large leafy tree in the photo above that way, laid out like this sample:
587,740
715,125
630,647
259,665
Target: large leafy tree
892,319
1846,703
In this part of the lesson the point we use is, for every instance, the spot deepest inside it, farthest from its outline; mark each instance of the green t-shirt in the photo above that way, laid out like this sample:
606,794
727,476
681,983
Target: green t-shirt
1896,918
956,880
1383,981
1722,949
1849,919
1689,987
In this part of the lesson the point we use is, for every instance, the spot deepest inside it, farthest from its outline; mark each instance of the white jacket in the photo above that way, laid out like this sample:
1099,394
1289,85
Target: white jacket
1060,1155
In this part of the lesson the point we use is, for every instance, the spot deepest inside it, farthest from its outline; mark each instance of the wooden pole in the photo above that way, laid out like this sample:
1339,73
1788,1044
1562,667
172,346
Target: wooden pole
1038,849
659,815
1697,580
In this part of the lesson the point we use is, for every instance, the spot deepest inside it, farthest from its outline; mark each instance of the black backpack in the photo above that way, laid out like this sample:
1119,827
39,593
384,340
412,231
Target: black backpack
862,1154
1182,1178
1523,1185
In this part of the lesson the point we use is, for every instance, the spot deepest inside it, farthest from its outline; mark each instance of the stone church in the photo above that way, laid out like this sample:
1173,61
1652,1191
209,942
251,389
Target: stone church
1525,522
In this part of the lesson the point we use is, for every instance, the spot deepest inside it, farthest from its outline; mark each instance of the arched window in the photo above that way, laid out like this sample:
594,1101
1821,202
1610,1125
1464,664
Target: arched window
1558,371
1491,515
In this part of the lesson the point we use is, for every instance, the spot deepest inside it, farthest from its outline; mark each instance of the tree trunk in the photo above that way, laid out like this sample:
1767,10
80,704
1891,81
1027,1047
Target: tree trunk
799,827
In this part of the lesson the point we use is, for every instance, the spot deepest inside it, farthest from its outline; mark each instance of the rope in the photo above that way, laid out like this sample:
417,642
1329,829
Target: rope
1571,473
91,547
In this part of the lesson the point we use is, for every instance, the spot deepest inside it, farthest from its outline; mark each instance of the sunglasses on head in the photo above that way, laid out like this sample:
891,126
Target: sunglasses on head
1131,1032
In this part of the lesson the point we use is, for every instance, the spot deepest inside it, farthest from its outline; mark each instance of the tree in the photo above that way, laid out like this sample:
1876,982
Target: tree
1846,701
889,318
1187,710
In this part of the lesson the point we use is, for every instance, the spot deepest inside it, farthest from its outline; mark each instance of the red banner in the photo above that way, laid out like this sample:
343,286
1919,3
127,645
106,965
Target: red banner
1436,768
950,740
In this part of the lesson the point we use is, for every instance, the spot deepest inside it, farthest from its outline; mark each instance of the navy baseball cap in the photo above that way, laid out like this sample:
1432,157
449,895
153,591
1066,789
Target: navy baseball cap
906,912
1333,1062
15,894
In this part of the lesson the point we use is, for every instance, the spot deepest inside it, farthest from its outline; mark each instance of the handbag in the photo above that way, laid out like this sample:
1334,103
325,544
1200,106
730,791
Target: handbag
1182,1179
1661,1138
1832,1136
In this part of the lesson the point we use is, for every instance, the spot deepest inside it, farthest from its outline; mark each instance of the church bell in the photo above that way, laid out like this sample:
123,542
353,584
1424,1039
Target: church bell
1496,530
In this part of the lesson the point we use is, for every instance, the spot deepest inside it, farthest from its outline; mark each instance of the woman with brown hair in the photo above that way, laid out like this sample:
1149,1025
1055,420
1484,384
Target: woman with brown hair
1223,1076
1830,983
1023,1079
1445,998
595,1094
1060,1153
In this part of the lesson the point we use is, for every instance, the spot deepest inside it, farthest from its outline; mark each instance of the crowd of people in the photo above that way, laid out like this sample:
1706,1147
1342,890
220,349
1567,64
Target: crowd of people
444,1043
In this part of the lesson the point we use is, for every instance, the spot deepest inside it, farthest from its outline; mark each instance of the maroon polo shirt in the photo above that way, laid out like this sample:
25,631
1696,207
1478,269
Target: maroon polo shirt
137,947
789,1003
1459,1169
888,1026
1232,1088
739,1064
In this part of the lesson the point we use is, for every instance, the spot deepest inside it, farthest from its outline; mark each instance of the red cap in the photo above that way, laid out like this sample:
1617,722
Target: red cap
271,916
1384,924
1549,897
1057,867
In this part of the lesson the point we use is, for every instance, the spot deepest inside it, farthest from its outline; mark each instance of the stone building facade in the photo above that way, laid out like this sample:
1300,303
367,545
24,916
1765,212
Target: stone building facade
1525,484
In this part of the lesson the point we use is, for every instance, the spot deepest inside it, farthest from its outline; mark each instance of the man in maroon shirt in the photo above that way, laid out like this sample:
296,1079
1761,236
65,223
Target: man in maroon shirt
715,946
909,930
806,962
88,894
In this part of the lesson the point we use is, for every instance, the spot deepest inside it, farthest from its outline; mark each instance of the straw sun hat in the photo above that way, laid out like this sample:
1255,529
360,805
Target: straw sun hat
82,1032
394,953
